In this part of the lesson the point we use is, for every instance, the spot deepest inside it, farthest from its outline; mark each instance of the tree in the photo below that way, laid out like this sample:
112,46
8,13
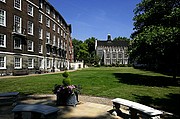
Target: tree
122,39
156,36
83,52
76,46
91,49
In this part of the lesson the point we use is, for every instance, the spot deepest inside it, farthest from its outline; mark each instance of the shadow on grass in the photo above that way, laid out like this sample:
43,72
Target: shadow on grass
137,79
170,104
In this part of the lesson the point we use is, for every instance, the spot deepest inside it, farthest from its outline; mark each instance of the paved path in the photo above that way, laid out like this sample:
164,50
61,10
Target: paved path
86,109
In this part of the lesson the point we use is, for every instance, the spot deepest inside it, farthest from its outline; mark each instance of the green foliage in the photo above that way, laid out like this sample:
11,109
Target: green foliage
122,39
66,81
156,37
65,74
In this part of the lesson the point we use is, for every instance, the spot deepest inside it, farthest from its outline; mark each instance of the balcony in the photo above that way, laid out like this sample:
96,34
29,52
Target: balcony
19,31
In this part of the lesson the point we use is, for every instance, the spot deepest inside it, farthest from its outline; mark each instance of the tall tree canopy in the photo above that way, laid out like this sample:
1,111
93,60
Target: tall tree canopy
76,46
156,34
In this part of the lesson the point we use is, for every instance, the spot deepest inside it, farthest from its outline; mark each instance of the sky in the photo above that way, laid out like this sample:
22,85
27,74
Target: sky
97,18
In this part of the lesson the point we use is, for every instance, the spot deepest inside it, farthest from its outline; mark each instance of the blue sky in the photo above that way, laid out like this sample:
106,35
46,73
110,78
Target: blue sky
97,18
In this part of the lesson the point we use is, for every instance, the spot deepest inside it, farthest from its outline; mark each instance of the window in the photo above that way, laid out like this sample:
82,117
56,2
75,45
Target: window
40,48
17,63
3,0
58,30
54,26
58,18
2,17
40,33
47,9
113,55
54,40
120,55
54,15
59,45
30,9
2,40
41,63
30,45
17,24
41,4
48,37
48,63
30,63
17,43
30,28
107,55
47,22
2,62
17,4
40,17
48,50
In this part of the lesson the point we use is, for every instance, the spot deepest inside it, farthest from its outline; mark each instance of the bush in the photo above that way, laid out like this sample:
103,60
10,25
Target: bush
66,82
65,74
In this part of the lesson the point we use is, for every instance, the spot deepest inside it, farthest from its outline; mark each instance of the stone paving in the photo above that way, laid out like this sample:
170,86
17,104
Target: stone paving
84,110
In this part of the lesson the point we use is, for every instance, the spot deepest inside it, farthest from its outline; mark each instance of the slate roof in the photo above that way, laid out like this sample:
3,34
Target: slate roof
112,43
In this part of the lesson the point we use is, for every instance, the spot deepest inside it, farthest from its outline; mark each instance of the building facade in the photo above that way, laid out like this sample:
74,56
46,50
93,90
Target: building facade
33,37
112,52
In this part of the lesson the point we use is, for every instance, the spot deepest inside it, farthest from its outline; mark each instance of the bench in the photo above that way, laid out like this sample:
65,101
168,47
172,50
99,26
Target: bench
137,108
8,97
36,111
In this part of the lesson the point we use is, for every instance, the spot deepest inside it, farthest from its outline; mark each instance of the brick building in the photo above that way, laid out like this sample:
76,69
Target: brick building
112,52
33,37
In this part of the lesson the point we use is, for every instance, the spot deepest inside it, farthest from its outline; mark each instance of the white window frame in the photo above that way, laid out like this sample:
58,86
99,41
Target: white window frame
20,44
17,24
30,63
59,45
3,18
48,63
3,62
54,27
54,40
30,10
48,37
3,1
40,33
3,40
30,27
19,63
48,22
58,30
40,48
54,15
30,46
41,63
41,4
17,2
40,17
47,9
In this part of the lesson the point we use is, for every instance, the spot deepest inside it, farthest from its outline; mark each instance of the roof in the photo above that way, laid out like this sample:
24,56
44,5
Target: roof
119,43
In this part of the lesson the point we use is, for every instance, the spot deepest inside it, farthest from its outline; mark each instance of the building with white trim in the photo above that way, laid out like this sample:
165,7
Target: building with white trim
34,37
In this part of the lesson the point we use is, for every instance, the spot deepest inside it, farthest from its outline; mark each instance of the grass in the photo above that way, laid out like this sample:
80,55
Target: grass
146,87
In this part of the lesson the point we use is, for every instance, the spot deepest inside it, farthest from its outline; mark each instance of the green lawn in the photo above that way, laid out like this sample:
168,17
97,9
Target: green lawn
146,87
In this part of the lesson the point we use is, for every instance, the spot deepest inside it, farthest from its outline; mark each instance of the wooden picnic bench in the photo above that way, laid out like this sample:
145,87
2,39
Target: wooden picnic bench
35,111
8,97
137,109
